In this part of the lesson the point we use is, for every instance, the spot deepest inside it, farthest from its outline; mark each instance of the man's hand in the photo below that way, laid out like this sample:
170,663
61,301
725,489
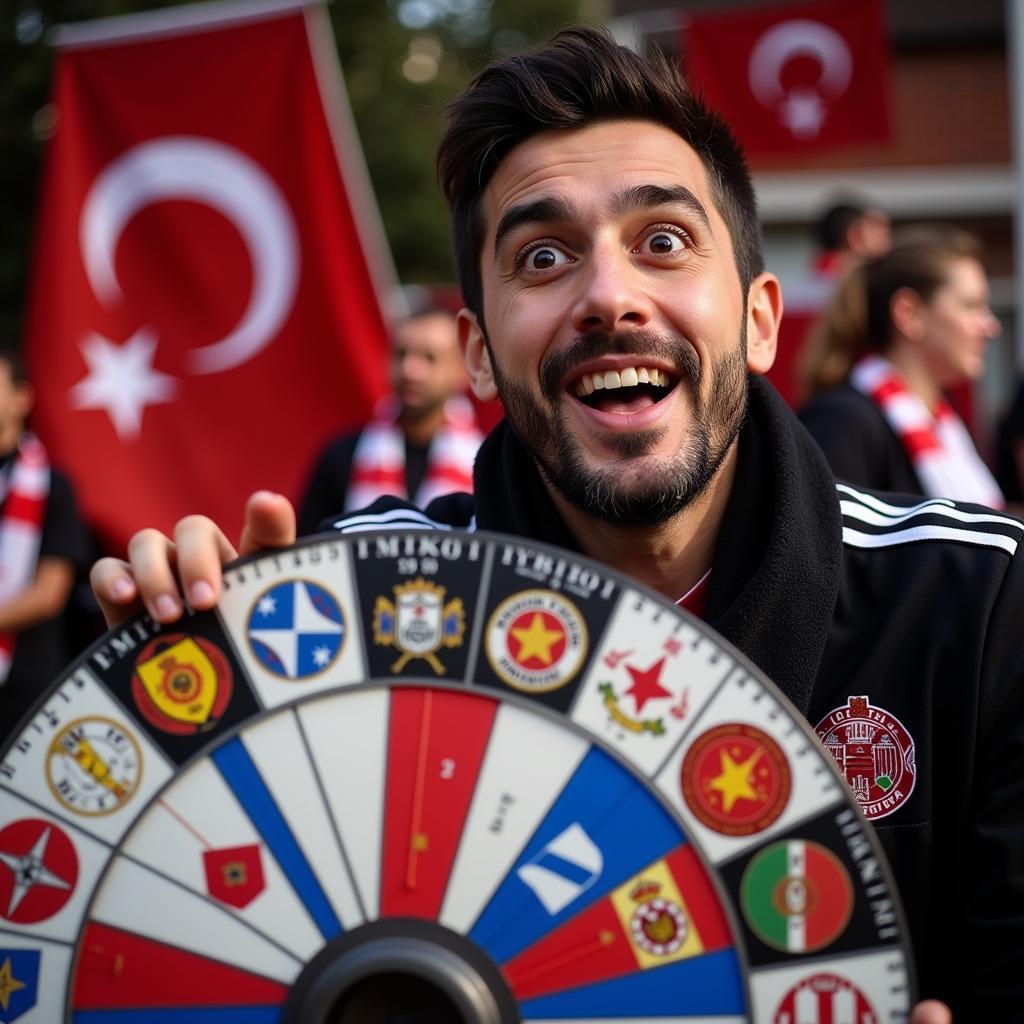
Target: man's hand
161,573
931,1011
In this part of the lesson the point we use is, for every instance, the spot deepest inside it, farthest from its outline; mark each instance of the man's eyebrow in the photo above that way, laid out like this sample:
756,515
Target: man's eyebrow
545,209
642,197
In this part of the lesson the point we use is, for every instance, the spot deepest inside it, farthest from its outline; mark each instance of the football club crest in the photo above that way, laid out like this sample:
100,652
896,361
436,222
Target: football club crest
234,875
640,706
182,684
93,766
824,999
296,629
875,753
658,925
654,917
419,623
38,870
536,641
796,896
19,982
735,779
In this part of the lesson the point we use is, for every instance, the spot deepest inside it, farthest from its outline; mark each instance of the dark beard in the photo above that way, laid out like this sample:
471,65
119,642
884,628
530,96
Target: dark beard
601,493
415,414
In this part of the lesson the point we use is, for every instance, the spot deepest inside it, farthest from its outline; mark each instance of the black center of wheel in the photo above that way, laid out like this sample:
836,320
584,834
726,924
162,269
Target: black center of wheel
400,971
395,997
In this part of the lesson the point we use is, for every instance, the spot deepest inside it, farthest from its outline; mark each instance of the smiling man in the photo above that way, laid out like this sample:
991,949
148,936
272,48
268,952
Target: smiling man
608,248
614,319
642,376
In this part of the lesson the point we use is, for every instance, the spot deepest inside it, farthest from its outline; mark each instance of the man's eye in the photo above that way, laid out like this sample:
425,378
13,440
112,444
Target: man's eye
545,257
661,243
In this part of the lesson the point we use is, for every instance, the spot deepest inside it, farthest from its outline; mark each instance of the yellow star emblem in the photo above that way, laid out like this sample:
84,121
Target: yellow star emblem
733,782
9,984
536,640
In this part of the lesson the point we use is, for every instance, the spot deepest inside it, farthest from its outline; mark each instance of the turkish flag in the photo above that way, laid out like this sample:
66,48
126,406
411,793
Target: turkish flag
204,306
792,79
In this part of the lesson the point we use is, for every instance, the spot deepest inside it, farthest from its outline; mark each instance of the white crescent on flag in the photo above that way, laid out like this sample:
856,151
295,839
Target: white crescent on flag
801,109
209,268
220,176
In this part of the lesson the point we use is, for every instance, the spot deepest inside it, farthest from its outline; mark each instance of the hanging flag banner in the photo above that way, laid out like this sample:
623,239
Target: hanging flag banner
204,309
794,79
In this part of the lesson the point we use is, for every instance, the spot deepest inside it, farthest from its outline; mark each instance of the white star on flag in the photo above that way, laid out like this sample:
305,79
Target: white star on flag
322,656
122,380
267,605
803,113
284,641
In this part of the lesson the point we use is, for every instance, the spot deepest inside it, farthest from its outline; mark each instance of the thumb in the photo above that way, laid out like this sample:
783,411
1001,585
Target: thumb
269,523
931,1011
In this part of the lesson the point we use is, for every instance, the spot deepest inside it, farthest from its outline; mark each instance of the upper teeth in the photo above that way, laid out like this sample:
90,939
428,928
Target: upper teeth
627,378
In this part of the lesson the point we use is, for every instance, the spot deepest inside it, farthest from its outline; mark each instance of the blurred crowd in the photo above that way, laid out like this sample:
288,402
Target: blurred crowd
906,326
420,443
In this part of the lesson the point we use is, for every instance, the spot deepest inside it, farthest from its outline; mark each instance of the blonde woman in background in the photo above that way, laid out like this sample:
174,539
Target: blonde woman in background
899,332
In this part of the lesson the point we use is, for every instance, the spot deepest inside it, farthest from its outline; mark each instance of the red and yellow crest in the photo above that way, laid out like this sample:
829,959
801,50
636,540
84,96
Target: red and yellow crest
182,683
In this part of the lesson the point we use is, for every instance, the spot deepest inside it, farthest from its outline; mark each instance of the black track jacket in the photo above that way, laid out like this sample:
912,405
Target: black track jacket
838,593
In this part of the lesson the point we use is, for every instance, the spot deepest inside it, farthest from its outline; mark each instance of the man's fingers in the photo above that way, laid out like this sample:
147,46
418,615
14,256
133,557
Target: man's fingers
115,590
201,550
269,523
152,557
150,577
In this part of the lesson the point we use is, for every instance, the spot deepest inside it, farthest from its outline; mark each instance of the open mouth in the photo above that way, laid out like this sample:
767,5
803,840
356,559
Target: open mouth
627,390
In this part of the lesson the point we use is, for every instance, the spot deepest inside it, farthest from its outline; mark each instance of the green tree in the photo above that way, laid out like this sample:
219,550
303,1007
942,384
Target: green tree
403,62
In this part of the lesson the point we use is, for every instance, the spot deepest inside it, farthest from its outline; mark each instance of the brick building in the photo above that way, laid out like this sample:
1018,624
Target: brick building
949,156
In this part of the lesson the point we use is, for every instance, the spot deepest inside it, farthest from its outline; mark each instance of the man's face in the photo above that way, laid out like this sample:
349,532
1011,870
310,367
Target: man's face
616,326
871,235
15,402
426,364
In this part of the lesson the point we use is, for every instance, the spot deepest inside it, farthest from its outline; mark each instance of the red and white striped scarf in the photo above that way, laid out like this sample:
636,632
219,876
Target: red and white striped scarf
24,488
378,463
939,445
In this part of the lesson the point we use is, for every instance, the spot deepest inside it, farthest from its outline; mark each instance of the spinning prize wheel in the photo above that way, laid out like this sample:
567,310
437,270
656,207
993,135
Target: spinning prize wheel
406,778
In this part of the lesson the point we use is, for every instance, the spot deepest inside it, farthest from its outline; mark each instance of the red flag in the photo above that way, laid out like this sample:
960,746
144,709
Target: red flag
793,79
203,310
234,875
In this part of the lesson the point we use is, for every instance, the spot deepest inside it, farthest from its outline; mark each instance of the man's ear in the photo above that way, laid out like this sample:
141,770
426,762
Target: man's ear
478,359
764,314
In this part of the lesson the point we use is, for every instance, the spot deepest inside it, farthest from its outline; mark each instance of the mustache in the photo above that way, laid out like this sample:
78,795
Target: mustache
641,342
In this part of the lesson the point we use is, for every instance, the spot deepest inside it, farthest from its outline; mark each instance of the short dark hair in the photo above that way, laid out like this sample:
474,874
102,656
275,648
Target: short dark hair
15,363
831,227
582,77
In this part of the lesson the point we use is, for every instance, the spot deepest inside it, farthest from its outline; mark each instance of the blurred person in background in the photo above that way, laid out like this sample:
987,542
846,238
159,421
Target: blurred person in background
42,549
849,231
1010,452
902,329
423,439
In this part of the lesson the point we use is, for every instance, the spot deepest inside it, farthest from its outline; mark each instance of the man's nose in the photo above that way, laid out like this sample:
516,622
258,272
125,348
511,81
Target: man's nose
993,328
410,368
612,293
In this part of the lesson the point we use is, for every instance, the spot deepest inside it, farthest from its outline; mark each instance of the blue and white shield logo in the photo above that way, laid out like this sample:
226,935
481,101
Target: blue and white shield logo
296,629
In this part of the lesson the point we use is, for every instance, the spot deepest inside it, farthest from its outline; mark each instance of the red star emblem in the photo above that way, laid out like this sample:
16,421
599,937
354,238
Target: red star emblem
645,684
